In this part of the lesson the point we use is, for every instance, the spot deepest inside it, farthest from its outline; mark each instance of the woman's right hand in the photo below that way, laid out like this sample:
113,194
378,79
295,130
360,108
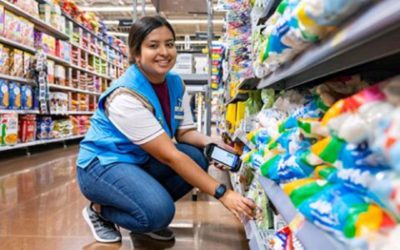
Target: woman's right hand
238,204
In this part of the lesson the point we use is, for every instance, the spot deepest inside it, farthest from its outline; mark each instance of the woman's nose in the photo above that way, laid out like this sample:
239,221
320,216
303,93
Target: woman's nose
163,50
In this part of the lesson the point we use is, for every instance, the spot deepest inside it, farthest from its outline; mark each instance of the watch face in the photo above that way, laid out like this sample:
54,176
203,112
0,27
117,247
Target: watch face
220,191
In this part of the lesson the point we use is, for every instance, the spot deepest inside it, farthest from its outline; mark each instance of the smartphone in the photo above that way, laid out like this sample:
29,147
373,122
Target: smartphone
223,156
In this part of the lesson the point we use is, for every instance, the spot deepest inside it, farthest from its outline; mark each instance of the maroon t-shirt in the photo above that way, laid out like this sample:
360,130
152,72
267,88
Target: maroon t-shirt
163,96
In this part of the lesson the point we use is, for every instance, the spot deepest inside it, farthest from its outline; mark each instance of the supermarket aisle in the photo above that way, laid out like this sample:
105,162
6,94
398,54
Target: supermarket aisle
40,208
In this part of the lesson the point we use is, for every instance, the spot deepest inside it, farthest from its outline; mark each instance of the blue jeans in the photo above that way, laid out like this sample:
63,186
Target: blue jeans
138,198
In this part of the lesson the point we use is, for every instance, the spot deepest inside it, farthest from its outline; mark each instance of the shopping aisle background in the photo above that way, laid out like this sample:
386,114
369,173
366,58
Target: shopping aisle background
40,208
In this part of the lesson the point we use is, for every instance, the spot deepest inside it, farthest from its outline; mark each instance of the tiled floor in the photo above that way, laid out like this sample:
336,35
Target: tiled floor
40,208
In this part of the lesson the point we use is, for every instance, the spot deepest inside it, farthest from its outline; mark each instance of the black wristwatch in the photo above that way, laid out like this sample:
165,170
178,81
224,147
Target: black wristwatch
220,191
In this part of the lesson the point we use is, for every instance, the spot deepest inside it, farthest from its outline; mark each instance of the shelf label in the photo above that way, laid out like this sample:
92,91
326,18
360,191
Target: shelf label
297,223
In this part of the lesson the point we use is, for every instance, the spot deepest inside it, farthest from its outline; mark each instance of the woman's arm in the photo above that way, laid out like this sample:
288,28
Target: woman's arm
195,138
164,150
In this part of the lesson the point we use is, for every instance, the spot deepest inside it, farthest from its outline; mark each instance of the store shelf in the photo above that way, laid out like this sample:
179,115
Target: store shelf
72,113
55,86
90,72
39,24
58,60
80,112
196,88
237,98
371,36
88,51
249,84
93,34
256,240
310,236
20,112
17,45
17,79
195,79
39,142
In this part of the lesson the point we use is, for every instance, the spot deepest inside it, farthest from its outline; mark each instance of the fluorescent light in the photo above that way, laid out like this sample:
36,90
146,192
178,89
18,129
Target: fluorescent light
191,42
148,8
111,8
120,34
175,22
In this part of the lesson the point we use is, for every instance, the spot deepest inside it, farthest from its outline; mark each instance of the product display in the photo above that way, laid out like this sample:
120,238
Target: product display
330,146
55,60
306,91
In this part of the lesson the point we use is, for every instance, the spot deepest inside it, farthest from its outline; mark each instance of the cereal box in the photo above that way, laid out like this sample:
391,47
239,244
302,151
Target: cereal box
1,20
27,128
26,97
9,129
5,61
18,63
4,96
15,95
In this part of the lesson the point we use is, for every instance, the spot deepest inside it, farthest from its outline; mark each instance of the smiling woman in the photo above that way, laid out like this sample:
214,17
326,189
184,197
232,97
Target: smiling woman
128,165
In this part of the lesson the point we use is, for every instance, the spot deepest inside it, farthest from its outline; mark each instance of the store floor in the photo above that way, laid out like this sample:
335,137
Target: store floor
40,208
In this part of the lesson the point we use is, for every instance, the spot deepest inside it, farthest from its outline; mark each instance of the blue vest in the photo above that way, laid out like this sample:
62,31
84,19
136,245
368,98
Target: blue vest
104,141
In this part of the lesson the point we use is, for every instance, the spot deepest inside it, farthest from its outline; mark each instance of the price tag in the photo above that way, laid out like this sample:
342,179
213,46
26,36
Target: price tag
297,223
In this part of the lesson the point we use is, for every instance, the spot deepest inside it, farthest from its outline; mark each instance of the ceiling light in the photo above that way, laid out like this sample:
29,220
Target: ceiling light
148,8
110,8
175,22
121,34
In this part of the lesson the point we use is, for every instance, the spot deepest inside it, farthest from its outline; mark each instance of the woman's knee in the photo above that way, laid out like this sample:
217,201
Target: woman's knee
158,216
195,154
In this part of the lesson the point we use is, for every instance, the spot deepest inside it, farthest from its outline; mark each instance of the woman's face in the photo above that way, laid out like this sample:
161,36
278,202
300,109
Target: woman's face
157,54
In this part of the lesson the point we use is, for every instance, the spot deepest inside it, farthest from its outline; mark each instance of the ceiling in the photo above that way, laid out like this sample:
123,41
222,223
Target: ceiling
188,17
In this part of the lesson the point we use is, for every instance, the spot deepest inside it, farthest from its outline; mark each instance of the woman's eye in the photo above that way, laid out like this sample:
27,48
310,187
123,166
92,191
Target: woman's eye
153,46
170,45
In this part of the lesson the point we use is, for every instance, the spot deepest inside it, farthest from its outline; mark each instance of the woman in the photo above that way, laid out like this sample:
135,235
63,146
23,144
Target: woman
128,165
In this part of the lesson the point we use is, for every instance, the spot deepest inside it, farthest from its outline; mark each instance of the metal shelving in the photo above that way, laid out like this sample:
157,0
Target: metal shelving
17,79
39,24
237,98
195,79
39,142
312,237
371,36
93,34
17,45
55,86
249,84
20,112
72,113
90,72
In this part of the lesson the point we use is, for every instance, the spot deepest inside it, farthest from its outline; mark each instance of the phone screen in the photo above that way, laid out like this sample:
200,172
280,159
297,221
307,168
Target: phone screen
224,156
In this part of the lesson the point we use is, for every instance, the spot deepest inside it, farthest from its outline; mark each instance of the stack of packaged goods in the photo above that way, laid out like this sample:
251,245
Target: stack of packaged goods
238,43
335,151
295,26
237,40
218,51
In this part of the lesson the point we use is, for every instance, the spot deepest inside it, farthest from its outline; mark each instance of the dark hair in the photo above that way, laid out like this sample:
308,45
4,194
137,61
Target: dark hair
140,29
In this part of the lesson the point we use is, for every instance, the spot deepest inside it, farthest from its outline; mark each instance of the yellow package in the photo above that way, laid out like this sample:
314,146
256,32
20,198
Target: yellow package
231,118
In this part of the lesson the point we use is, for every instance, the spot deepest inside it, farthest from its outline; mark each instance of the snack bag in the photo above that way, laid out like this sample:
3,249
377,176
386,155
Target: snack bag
302,189
344,213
